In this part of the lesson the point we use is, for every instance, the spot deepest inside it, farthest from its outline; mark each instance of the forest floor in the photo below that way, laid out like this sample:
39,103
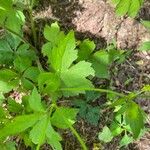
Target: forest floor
96,20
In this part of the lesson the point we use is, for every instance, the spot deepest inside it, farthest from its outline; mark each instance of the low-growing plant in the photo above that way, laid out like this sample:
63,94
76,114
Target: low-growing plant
131,9
146,45
128,7
30,92
128,119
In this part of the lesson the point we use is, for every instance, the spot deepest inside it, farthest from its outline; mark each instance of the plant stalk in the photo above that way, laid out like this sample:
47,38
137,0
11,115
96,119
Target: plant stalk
33,28
93,89
73,130
78,137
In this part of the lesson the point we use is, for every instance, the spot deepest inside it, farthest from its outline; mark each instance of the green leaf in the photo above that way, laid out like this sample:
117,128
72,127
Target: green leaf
125,140
4,8
93,115
146,23
48,82
115,129
14,107
145,46
38,132
115,54
53,138
6,53
27,141
75,77
9,78
85,49
134,118
12,41
130,7
25,103
123,7
18,124
35,101
119,101
10,17
115,1
32,74
5,87
1,98
27,84
90,113
7,74
8,146
46,49
2,113
134,8
91,96
100,63
82,105
64,117
52,33
5,5
146,88
122,109
105,135
24,51
43,131
61,57
10,49
21,64
15,20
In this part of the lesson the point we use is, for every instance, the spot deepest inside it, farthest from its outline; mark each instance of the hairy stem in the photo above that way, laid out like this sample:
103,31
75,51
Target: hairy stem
33,28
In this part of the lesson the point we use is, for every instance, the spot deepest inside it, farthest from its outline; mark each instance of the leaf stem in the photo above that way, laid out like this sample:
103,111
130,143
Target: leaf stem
50,109
78,137
73,130
93,89
33,26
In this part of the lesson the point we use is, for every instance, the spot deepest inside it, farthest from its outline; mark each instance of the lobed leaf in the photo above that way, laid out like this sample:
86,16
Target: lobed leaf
7,75
129,7
10,17
145,46
35,101
134,118
43,131
105,135
65,53
8,146
53,138
100,62
14,107
38,132
64,117
85,49
146,23
75,77
61,57
125,140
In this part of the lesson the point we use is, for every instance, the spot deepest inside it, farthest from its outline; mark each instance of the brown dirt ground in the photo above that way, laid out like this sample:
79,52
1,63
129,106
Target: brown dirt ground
96,19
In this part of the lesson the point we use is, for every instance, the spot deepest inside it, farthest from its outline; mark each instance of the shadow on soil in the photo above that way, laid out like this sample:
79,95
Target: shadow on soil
64,12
